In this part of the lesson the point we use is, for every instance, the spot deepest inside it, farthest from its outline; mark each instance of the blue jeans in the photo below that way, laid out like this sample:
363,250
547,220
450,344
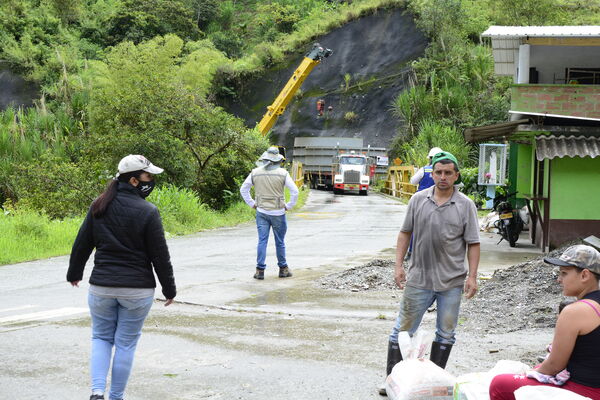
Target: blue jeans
115,323
264,223
415,303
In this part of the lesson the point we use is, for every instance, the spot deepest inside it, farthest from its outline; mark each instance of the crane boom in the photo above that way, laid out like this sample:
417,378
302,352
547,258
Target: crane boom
313,58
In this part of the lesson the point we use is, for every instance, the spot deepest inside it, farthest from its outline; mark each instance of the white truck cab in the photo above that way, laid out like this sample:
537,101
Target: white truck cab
351,173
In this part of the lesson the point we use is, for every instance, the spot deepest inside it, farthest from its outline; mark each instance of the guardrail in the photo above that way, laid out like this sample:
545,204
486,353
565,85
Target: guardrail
398,184
297,174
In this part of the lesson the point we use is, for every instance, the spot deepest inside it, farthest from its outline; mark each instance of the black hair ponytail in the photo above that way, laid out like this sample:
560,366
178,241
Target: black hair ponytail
102,202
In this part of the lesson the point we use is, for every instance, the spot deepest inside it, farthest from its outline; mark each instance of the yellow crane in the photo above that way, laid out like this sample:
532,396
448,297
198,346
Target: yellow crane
313,58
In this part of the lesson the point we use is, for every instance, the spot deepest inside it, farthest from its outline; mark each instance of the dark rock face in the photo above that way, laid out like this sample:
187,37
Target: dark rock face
14,90
363,76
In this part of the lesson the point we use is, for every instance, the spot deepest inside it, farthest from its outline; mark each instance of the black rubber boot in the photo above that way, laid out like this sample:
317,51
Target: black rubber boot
440,353
394,356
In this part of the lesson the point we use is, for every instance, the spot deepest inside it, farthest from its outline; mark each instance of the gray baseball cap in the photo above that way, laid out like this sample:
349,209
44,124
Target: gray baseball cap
580,256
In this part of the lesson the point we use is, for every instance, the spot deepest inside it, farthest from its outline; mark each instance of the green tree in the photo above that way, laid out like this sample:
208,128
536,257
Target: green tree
205,10
142,105
140,20
68,10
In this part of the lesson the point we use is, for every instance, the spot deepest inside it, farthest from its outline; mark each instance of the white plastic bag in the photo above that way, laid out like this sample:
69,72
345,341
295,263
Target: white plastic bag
476,385
416,346
419,379
415,378
473,386
545,393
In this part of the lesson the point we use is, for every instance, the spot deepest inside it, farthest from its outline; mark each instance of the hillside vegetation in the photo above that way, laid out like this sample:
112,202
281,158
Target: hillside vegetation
141,76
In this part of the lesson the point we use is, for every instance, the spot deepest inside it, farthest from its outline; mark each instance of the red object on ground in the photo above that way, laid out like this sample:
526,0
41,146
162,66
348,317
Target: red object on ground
503,387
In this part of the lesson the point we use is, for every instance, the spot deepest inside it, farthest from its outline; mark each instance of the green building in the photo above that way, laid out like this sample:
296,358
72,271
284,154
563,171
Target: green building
554,127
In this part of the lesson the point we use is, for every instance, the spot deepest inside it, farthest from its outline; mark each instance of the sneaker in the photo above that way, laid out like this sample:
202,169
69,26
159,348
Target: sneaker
97,397
259,274
381,389
284,272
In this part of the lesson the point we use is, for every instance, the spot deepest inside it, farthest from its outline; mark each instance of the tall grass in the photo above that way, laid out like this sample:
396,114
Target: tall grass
29,235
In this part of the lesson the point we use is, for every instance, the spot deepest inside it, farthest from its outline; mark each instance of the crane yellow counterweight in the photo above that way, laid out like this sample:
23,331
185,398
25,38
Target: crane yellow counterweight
287,93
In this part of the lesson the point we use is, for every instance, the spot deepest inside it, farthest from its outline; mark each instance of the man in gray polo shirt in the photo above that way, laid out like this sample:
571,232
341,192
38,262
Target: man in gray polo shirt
445,228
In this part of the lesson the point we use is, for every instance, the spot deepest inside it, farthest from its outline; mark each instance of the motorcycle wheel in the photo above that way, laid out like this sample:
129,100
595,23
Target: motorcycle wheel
512,238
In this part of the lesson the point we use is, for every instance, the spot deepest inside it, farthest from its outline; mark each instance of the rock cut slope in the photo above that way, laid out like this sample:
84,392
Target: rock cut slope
363,76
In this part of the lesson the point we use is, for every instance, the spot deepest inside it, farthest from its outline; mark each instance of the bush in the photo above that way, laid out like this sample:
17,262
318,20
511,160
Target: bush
180,208
228,42
57,187
471,188
140,20
432,134
350,117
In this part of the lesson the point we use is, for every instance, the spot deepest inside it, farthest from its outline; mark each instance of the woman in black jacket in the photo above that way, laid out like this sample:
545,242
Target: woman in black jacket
129,239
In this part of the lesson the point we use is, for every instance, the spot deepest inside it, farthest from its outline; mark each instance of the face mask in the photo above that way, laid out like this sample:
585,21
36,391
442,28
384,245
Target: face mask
145,188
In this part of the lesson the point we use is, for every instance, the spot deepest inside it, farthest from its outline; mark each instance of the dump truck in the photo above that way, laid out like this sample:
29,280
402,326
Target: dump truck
340,164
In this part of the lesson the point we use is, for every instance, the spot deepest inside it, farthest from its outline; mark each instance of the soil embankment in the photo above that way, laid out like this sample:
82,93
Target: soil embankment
363,76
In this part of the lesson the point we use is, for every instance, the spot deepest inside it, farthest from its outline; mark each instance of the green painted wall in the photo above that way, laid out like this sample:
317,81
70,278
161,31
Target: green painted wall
575,188
520,172
524,169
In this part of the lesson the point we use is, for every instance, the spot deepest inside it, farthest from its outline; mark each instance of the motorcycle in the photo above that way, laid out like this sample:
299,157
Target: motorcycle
509,223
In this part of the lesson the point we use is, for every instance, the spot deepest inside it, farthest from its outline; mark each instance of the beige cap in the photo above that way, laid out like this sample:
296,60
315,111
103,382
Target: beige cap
136,162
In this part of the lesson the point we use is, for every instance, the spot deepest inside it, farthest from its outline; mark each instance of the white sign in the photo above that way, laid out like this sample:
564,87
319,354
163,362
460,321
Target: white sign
382,160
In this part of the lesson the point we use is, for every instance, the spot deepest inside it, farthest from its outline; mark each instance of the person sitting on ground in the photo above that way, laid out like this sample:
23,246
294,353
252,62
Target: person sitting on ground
561,307
576,343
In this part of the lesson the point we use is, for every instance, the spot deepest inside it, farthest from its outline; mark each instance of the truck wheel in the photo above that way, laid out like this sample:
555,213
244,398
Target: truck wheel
338,191
363,192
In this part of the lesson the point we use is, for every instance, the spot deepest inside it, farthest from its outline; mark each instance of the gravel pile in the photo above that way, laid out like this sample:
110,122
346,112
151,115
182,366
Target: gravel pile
522,296
377,274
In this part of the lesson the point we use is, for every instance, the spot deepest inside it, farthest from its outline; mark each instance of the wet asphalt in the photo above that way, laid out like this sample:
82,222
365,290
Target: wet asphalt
229,336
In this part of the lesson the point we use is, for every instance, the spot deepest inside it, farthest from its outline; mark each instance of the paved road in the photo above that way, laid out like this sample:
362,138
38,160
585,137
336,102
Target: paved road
230,336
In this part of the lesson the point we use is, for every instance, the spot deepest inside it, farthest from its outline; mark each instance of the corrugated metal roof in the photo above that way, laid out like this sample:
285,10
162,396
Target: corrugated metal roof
494,131
507,32
566,146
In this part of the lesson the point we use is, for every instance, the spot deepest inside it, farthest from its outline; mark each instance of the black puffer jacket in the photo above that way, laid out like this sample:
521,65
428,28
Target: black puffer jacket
129,240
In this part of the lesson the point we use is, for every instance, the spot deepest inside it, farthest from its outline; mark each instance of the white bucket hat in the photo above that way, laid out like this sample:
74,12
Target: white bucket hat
136,162
272,154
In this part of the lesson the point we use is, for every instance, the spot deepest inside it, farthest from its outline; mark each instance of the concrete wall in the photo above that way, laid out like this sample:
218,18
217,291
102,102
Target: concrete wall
551,61
575,188
571,100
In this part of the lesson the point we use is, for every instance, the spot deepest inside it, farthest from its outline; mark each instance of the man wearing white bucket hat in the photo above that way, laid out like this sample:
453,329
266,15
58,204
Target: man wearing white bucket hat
269,181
